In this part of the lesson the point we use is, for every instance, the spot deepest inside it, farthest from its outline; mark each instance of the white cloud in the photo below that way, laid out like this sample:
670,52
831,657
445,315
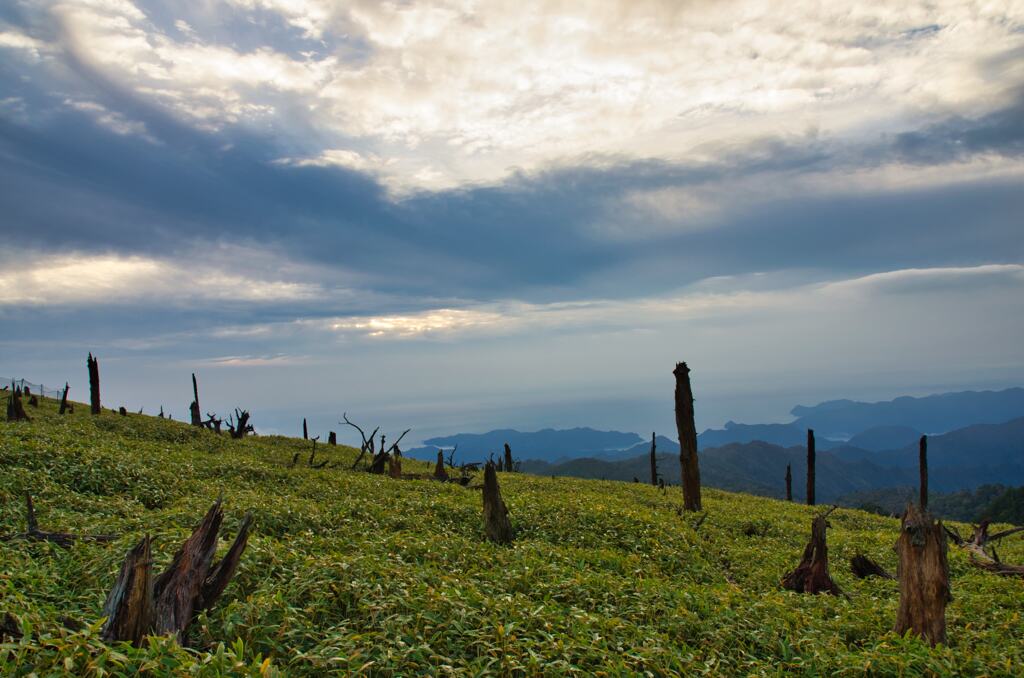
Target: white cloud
112,120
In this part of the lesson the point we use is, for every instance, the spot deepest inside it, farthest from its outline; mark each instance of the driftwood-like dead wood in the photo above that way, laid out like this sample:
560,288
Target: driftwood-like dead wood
862,567
367,444
15,408
439,472
239,426
812,575
94,383
810,467
978,552
139,604
688,461
924,576
62,539
497,527
64,399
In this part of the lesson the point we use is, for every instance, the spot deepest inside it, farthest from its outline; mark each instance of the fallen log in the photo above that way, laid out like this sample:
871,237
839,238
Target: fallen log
863,567
62,539
977,553
139,605
812,575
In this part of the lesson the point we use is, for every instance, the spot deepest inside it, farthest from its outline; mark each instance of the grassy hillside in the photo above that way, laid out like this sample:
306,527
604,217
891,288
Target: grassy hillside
352,573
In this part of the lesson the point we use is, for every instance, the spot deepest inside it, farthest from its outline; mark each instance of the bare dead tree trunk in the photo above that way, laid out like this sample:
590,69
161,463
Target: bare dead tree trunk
64,399
197,414
439,472
687,429
497,526
810,467
122,411
863,567
508,458
922,463
332,438
395,467
654,458
139,605
15,408
94,384
305,430
924,577
789,482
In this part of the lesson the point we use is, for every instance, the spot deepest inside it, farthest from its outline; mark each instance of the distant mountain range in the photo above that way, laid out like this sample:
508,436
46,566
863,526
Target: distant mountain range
547,444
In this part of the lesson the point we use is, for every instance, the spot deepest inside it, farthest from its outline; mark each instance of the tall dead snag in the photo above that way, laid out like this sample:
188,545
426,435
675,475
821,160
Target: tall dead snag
812,575
924,577
497,527
810,467
508,459
194,411
789,483
439,472
862,567
687,439
654,459
139,605
15,408
94,384
64,399
305,430
922,466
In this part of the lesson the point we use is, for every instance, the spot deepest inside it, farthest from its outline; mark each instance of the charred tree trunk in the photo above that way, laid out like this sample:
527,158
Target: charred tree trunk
94,384
497,527
197,414
863,567
687,429
122,411
305,430
240,426
439,472
789,483
812,575
654,459
508,459
15,408
924,577
922,465
810,467
139,605
380,462
332,438
64,399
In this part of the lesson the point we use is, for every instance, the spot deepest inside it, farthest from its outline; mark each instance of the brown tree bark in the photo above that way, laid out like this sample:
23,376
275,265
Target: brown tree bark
812,575
395,467
497,526
922,464
810,467
654,458
924,577
64,399
94,384
508,459
789,483
439,472
690,466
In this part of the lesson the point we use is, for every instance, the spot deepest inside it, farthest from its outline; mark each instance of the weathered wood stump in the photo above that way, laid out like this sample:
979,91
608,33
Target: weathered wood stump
395,467
139,605
789,482
64,399
862,567
508,459
439,471
690,466
94,384
332,438
497,527
812,575
924,577
15,408
193,409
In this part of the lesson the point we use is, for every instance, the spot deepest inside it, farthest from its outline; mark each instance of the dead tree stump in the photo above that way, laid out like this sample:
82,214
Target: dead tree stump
789,482
862,567
94,384
810,467
240,426
139,605
497,526
305,430
15,408
508,459
924,577
122,411
812,575
64,399
194,411
690,466
332,438
395,467
654,458
439,472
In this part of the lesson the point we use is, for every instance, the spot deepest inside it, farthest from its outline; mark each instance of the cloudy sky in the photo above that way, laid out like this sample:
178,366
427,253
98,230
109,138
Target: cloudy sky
464,215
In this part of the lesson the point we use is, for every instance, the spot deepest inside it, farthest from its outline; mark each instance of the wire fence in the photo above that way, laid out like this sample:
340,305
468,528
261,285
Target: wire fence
38,389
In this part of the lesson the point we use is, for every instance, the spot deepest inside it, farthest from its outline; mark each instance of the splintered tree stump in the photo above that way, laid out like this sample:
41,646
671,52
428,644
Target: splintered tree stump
15,408
810,467
239,426
122,411
862,567
789,482
924,577
508,459
139,605
439,471
497,527
194,411
812,575
64,399
687,429
395,467
94,384
332,438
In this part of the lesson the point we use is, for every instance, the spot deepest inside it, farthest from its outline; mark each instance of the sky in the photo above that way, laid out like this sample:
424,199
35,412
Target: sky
458,216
